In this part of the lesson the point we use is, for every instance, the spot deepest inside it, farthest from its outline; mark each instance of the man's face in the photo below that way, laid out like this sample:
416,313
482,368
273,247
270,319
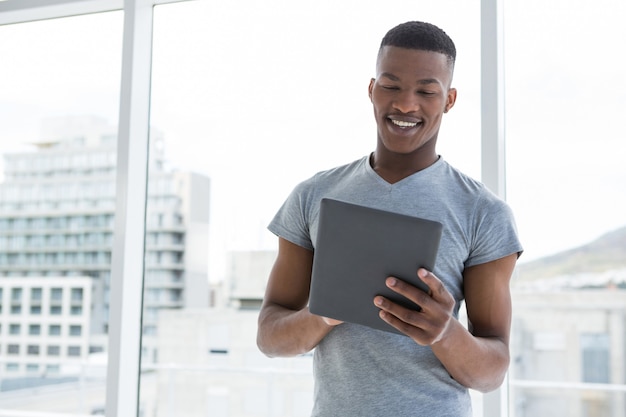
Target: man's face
410,93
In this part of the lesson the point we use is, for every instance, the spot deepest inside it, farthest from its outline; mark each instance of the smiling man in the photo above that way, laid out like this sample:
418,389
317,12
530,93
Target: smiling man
427,371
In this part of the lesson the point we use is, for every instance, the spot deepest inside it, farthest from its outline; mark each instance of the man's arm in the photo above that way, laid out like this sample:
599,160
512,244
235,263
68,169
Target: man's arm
477,357
286,327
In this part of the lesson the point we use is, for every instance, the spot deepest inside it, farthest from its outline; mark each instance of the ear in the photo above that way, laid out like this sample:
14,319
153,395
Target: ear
450,99
371,88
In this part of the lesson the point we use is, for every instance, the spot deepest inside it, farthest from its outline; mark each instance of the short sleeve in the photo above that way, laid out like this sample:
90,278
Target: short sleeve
291,222
494,232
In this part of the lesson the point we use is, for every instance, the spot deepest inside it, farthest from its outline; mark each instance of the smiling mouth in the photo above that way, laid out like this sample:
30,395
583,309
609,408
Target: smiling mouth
404,124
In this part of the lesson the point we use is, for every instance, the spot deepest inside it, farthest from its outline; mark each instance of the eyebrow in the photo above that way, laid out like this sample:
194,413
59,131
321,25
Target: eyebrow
425,81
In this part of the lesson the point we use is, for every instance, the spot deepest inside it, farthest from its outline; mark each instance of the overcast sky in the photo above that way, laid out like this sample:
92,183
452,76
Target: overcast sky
261,95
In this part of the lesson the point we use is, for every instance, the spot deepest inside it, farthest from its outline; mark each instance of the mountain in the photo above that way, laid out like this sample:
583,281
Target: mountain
608,252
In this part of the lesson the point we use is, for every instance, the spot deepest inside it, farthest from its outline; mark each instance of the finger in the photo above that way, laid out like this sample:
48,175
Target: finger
406,325
331,322
438,291
440,300
391,311
408,291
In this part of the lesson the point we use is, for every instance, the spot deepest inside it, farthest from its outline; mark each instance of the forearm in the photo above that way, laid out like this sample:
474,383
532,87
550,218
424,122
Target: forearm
479,363
285,332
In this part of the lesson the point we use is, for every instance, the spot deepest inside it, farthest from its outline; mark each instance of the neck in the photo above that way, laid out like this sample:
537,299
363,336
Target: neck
393,167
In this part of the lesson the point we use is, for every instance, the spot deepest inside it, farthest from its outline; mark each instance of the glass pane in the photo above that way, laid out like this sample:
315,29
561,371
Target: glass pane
248,99
58,114
565,105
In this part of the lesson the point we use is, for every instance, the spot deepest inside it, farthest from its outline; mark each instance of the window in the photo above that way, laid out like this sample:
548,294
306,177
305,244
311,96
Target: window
12,367
77,295
316,60
75,330
16,295
14,329
35,294
568,288
596,350
13,349
56,294
32,367
53,350
53,369
73,351
34,329
32,349
530,76
54,330
81,75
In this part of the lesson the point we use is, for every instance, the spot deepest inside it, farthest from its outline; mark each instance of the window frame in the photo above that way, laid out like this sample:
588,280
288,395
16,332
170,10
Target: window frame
123,375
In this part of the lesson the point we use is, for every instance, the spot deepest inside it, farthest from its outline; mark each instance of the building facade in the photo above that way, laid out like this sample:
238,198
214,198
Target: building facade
571,346
57,210
44,325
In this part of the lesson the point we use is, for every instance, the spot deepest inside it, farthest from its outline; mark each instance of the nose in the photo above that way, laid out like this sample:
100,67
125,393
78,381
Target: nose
406,102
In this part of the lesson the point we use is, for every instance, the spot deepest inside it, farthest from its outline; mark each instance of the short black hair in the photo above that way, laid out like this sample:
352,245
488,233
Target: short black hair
421,36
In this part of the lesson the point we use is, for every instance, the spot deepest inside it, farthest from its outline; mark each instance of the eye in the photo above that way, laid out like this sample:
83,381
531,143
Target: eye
390,87
426,93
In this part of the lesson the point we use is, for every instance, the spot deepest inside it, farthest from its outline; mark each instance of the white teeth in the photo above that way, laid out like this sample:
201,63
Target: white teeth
401,123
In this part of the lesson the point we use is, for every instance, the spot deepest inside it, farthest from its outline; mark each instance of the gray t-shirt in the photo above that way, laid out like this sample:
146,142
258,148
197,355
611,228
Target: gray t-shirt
365,372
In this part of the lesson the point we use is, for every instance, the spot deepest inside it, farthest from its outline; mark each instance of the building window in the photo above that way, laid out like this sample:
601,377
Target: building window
34,329
13,367
76,310
77,294
53,369
16,294
35,310
73,351
32,350
595,358
56,294
14,329
53,350
35,294
54,330
75,330
32,367
55,310
16,310
13,349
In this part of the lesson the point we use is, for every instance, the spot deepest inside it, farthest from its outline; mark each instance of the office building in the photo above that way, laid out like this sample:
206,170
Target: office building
44,325
57,210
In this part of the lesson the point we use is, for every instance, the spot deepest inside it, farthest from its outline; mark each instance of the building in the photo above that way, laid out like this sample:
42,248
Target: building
571,346
209,361
44,325
57,210
223,371
247,275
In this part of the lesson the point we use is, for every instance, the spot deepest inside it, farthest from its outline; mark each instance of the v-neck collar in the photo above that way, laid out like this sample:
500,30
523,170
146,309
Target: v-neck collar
406,180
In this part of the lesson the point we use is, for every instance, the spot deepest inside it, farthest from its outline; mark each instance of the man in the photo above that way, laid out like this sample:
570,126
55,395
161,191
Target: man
365,372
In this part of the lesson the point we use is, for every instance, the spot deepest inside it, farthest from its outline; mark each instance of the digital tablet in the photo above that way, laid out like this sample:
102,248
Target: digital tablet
357,248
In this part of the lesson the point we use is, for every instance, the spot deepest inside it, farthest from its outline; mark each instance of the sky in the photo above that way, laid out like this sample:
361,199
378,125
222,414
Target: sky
261,95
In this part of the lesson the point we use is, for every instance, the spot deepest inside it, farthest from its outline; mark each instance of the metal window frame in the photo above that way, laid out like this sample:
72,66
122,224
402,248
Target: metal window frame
493,163
126,302
127,259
